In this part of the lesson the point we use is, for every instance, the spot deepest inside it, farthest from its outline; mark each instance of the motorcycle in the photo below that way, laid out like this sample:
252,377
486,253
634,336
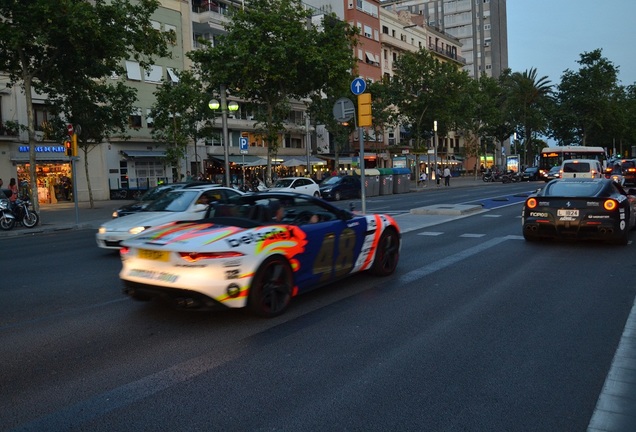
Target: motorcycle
7,218
23,214
510,177
491,176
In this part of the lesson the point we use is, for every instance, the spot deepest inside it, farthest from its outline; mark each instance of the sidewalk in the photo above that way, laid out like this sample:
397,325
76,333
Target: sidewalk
63,216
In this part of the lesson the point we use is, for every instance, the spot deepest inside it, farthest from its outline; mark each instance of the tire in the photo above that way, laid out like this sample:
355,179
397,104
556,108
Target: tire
6,224
317,194
388,253
271,289
337,196
530,238
31,219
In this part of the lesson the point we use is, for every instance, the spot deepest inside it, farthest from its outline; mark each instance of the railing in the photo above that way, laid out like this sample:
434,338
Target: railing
445,53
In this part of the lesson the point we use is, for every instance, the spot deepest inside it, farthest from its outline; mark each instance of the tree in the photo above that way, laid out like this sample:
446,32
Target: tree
271,54
529,102
177,115
422,91
80,42
100,110
588,102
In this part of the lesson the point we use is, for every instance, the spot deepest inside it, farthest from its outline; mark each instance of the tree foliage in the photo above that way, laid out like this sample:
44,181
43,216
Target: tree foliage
52,46
270,55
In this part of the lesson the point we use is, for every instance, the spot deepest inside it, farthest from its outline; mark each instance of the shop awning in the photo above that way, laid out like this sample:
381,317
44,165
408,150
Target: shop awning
143,153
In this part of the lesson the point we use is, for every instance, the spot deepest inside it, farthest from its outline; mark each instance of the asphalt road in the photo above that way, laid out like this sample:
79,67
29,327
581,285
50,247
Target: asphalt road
477,330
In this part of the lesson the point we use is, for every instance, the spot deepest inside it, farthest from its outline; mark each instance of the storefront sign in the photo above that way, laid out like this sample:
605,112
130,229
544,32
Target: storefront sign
42,149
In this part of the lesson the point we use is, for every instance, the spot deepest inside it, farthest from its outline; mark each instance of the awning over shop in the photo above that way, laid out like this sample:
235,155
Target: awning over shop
143,153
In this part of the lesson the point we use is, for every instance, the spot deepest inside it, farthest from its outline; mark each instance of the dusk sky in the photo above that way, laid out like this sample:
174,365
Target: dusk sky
550,35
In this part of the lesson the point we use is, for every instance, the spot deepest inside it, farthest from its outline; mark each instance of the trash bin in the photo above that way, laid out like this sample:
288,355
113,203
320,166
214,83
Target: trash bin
401,180
386,181
372,181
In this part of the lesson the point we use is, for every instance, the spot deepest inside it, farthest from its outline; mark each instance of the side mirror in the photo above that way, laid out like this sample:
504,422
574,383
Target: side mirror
200,207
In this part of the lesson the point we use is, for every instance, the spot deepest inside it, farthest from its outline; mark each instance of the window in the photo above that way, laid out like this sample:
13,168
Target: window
154,74
133,71
150,122
368,31
172,75
134,120
155,25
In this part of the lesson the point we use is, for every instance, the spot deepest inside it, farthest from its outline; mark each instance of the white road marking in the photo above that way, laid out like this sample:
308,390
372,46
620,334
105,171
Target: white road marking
472,235
430,233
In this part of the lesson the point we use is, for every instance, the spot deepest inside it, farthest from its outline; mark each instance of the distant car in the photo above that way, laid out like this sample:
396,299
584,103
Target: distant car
179,204
152,194
303,185
554,173
628,166
240,256
615,173
581,168
598,209
341,187
530,174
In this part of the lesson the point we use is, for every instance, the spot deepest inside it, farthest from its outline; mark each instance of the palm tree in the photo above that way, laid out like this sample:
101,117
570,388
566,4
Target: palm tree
530,97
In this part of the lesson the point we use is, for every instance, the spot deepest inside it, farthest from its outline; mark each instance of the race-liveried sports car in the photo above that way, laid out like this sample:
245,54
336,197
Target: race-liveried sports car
257,251
598,209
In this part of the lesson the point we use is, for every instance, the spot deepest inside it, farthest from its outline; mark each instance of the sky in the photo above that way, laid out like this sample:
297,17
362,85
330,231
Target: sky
551,35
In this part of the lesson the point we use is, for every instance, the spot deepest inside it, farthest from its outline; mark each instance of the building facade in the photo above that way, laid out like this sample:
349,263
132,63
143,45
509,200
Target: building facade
480,25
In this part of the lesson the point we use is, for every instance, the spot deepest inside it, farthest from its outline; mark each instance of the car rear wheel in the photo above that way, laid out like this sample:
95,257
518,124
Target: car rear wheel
271,289
387,254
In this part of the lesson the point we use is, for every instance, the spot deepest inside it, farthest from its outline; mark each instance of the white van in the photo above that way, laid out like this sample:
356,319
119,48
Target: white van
581,168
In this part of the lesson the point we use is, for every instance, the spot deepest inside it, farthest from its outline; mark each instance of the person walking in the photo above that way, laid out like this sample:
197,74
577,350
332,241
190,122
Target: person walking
447,176
438,176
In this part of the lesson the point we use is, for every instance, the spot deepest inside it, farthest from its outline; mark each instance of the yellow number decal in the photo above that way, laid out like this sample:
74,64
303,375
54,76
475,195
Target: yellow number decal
344,260
324,260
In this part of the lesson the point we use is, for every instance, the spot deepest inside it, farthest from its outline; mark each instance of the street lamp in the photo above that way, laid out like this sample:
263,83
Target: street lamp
435,149
225,107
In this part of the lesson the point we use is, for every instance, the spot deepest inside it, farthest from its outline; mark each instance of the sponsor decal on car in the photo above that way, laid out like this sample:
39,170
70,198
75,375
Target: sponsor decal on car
538,214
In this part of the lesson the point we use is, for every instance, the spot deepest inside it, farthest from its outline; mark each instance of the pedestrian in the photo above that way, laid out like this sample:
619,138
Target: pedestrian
423,178
447,176
13,187
438,176
188,176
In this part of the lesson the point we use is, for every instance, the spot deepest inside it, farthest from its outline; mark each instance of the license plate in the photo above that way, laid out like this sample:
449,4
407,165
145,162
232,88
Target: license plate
153,255
568,213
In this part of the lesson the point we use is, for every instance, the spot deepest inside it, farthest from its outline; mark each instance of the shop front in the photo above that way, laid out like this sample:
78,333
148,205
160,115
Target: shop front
53,172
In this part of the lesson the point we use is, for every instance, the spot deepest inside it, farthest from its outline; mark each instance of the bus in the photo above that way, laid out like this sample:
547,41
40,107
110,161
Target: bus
554,156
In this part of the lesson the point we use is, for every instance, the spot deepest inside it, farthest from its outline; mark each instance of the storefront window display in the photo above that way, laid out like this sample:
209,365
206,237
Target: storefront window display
53,178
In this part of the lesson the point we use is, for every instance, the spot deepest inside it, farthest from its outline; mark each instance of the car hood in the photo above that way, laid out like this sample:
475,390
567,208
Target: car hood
148,219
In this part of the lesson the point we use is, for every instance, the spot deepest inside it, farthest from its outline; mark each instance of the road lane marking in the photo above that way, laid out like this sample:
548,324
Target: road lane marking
430,233
468,235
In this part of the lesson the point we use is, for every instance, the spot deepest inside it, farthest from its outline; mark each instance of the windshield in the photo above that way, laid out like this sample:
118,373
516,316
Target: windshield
283,183
155,193
573,189
175,201
331,181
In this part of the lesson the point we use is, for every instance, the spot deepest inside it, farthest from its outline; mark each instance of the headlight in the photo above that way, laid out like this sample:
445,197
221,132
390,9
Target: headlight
136,230
102,230
115,214
326,190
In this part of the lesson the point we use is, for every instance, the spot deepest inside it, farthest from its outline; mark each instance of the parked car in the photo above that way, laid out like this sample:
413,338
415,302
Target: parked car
240,256
152,194
580,208
530,174
179,204
554,173
341,187
303,185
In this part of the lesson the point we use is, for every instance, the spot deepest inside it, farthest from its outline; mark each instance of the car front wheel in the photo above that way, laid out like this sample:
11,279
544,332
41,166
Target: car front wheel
271,289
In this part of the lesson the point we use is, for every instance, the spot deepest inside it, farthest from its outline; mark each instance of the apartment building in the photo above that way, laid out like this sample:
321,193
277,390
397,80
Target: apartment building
480,25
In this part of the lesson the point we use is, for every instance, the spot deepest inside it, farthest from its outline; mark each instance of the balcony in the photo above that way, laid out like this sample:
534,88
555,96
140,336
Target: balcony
447,54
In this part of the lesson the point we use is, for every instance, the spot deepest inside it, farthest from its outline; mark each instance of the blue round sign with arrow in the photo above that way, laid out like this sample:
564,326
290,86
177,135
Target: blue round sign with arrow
358,86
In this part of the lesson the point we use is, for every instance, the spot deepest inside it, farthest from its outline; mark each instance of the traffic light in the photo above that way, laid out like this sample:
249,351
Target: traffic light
364,110
74,145
68,147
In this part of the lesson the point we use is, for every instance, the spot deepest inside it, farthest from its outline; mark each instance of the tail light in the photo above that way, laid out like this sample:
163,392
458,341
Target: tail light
531,203
124,250
610,205
198,256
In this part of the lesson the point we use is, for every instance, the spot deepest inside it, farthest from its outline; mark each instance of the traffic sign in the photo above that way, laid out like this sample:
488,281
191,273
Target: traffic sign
69,129
358,86
243,144
343,110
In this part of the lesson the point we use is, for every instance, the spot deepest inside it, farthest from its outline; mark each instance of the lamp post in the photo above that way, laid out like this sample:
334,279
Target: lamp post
435,149
308,144
225,107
